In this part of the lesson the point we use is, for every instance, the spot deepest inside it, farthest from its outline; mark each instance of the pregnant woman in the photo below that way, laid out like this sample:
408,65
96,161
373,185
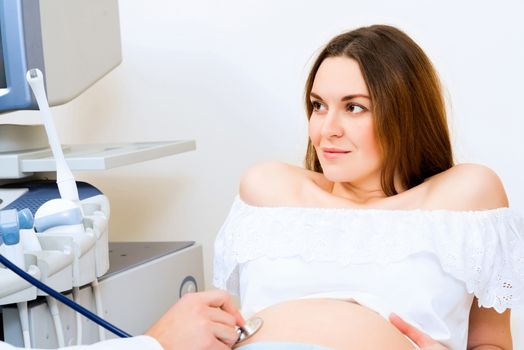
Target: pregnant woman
380,242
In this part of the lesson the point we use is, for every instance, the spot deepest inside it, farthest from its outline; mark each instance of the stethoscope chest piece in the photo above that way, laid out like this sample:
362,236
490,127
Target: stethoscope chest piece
251,327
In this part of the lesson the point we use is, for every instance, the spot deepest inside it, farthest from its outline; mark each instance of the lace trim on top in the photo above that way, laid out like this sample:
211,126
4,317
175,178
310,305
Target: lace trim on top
484,249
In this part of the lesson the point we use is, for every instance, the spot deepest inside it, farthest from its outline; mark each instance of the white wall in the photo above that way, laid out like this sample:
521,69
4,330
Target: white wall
230,74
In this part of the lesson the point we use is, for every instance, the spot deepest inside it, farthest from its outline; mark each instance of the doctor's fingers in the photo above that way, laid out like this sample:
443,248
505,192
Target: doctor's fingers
225,326
218,315
209,342
223,300
226,334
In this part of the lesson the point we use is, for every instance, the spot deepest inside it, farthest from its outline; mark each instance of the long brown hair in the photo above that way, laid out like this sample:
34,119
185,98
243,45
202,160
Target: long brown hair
407,103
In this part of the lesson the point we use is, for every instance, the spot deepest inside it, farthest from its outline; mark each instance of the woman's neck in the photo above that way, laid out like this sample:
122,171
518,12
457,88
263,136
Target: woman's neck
362,194
356,194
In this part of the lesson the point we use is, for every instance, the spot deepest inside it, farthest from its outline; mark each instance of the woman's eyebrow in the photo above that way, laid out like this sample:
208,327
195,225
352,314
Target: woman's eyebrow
345,98
312,94
350,97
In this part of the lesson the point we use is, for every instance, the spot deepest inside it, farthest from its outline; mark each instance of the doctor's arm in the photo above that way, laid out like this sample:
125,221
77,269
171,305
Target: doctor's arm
204,320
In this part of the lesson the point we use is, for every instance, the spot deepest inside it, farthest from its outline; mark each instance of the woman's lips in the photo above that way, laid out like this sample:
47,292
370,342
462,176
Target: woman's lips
334,153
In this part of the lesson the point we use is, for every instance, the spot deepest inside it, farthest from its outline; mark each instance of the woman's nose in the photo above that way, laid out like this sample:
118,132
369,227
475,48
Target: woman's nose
331,126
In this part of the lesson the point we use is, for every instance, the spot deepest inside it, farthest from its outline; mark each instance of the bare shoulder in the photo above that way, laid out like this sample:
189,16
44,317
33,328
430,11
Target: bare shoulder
467,187
272,183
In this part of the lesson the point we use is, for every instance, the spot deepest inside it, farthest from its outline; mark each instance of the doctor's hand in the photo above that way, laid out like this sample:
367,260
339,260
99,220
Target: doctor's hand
424,341
204,320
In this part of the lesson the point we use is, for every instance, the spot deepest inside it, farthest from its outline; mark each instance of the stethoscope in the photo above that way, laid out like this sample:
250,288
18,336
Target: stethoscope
250,328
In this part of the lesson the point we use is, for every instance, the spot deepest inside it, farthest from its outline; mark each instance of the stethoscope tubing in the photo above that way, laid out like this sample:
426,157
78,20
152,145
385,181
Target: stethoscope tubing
78,308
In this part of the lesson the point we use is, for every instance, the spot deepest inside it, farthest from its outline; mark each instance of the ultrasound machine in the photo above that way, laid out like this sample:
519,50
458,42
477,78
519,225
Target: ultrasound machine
56,231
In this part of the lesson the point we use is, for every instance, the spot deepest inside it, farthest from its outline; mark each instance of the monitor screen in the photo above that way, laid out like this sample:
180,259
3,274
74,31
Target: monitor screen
32,36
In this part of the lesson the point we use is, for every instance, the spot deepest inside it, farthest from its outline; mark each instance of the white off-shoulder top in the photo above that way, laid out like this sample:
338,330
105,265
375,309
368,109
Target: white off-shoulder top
424,265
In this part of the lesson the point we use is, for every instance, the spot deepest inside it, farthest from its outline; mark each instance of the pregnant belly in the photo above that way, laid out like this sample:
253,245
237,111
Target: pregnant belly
335,324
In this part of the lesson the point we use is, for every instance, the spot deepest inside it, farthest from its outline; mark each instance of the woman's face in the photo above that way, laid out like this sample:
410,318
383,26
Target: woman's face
341,125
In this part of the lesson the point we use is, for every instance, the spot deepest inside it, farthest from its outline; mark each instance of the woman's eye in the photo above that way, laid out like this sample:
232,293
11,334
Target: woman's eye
317,106
354,108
